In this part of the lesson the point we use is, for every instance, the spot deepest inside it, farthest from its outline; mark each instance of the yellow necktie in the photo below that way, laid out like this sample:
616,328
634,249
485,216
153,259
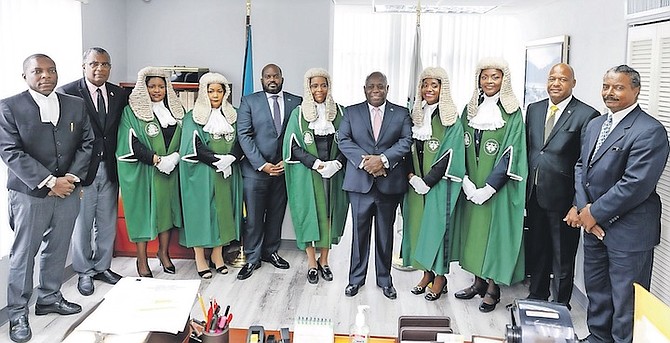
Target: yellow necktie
549,124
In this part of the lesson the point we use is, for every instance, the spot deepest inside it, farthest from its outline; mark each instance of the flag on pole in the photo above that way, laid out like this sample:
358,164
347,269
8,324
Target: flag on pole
248,75
415,66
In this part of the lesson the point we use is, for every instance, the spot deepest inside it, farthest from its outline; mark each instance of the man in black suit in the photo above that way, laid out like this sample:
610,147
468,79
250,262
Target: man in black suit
374,136
553,129
46,142
622,157
261,122
95,228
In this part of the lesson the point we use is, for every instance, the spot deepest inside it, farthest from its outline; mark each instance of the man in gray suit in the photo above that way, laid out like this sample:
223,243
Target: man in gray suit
375,135
553,131
46,143
261,122
622,157
95,228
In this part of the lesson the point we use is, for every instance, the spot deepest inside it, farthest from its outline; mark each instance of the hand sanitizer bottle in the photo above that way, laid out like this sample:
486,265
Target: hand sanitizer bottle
360,332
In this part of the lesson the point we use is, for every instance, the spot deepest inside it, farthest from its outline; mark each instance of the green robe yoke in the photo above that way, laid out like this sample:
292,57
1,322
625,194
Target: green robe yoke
428,219
212,205
314,224
150,198
488,241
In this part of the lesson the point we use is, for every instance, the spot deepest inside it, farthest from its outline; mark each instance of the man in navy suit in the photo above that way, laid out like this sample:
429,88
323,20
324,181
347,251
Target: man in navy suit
622,157
374,136
553,131
95,228
46,142
261,122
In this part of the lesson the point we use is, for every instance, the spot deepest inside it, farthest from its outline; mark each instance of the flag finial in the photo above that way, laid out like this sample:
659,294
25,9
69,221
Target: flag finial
248,8
418,13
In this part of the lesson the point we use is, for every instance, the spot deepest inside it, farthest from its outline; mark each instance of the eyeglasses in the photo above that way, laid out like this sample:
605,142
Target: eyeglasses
103,65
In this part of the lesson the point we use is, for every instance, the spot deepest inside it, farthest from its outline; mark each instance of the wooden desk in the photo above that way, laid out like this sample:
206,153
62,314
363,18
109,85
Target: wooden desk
240,336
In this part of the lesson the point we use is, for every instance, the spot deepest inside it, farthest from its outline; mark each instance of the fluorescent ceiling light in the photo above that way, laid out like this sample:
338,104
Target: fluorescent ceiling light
433,9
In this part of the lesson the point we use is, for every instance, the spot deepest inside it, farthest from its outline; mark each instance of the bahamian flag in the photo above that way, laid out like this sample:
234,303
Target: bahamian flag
415,66
248,75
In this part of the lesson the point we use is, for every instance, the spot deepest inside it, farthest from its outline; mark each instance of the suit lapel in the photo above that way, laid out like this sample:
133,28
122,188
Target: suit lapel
388,116
86,96
288,105
562,119
617,134
113,99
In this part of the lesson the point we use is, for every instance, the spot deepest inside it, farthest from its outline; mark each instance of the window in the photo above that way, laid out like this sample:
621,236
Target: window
52,27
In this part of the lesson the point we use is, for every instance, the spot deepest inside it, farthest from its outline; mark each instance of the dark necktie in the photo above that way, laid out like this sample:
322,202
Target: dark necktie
102,111
276,113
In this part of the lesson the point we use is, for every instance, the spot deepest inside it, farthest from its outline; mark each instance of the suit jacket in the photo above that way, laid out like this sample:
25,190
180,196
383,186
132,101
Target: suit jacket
256,131
356,139
620,180
33,150
553,162
104,145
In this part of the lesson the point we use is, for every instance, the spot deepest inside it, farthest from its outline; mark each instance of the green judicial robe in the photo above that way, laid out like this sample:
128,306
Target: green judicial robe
488,237
212,205
314,223
150,198
428,219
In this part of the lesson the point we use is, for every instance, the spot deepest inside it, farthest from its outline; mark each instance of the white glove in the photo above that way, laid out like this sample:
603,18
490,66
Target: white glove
481,195
468,187
330,168
224,162
168,163
420,186
317,164
227,172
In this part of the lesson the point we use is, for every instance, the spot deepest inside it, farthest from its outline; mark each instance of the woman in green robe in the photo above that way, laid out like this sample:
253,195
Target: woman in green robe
210,181
436,167
147,154
489,214
313,164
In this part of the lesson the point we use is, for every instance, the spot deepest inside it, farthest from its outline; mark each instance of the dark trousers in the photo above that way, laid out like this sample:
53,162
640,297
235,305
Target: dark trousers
265,201
609,275
363,208
551,246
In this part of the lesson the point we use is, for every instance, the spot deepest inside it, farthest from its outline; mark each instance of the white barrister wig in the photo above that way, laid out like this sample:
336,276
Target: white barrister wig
507,97
140,101
202,108
445,104
309,105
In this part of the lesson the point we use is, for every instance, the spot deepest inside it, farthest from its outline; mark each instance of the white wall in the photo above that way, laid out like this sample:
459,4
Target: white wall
597,33
104,25
293,34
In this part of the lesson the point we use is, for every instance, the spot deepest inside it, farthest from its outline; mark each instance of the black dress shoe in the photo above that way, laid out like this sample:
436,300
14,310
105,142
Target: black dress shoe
85,285
493,298
19,330
313,276
352,290
326,273
477,288
276,261
247,270
168,267
390,292
108,276
62,307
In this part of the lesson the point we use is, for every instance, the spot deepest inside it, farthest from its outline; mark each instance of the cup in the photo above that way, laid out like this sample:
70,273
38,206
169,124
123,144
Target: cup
219,337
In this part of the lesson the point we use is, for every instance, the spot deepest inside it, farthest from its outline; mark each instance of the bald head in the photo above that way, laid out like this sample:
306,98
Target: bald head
560,82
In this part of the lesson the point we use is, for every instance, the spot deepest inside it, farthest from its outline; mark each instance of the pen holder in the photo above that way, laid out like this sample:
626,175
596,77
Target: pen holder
219,337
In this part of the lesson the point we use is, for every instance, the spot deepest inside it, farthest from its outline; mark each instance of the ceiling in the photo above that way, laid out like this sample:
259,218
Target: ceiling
503,6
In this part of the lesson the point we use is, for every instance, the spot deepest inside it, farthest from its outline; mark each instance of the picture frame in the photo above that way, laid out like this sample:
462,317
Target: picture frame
541,55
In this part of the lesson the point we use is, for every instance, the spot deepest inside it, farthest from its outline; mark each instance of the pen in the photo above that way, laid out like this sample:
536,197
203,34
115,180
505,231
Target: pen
225,314
202,306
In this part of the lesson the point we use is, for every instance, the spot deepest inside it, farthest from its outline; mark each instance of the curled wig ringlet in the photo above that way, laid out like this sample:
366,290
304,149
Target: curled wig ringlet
203,108
445,104
507,97
140,101
309,105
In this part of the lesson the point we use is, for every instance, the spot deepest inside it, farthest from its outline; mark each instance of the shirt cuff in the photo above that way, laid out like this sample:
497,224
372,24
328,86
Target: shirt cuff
46,181
263,166
76,178
385,161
